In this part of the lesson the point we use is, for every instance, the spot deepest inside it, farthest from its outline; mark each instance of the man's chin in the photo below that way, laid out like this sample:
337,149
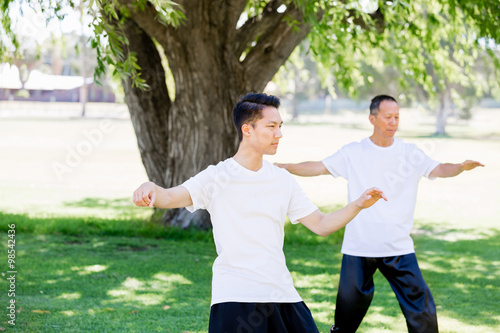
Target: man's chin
271,151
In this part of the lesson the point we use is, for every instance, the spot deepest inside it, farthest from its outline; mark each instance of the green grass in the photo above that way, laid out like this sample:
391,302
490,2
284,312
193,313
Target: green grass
111,284
88,226
96,275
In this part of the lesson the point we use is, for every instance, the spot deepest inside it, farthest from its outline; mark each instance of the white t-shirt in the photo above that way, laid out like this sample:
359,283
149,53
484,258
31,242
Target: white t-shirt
382,230
248,211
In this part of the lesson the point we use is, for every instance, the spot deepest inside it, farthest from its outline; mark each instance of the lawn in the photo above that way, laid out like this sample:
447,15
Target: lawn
104,279
88,261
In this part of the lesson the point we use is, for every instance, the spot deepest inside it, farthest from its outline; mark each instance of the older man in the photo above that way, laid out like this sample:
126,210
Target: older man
379,238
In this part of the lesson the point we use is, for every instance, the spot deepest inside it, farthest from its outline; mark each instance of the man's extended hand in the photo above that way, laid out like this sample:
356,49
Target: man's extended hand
145,195
469,165
370,197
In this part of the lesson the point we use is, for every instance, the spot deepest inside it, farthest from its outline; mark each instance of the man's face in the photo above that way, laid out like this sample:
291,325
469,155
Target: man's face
386,122
266,132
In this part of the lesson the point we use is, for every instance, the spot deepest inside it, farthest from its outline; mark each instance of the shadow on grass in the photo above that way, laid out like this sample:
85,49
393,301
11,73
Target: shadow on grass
121,283
462,269
120,206
88,226
460,266
111,284
102,203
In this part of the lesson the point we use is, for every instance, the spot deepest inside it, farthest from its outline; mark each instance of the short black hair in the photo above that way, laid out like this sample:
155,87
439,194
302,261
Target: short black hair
248,109
375,103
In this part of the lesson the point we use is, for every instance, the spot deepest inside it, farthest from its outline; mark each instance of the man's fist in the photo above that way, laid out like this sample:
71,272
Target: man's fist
145,195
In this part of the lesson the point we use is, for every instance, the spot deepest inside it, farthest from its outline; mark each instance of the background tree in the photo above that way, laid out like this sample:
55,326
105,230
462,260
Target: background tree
217,50
459,93
429,48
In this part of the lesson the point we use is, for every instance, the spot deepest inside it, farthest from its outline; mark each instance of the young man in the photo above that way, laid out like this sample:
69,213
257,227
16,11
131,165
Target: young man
248,200
379,238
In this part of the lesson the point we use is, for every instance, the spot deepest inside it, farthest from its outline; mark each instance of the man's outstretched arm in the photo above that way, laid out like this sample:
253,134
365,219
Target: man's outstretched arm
149,194
444,170
326,224
305,169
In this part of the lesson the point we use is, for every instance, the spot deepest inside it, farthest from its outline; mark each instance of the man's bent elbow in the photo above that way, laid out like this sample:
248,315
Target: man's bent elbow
324,234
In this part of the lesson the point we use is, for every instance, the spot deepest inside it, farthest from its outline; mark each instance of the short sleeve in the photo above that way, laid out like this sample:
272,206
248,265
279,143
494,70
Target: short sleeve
336,164
300,206
424,163
201,188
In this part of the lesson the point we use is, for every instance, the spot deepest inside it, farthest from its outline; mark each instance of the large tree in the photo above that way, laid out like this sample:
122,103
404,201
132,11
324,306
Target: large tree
217,50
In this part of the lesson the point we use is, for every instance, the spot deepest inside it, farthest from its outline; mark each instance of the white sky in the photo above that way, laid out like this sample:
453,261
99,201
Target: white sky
32,26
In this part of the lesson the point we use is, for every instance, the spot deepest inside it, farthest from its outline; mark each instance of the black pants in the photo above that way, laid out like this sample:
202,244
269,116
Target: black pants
356,290
233,317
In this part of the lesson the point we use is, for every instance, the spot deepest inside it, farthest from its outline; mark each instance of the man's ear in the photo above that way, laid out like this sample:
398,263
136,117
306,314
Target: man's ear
245,129
372,118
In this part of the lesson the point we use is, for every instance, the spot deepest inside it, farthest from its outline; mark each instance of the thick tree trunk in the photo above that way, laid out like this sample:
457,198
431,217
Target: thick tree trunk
178,138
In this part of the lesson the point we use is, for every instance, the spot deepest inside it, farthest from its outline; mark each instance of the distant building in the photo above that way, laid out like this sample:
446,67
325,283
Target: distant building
50,88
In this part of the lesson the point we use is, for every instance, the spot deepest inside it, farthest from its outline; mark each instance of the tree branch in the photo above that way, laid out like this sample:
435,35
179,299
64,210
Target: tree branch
224,14
146,19
274,48
377,17
254,27
236,8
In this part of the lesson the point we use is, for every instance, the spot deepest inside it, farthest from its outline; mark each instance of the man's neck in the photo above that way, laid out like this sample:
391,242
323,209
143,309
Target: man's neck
382,141
248,159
